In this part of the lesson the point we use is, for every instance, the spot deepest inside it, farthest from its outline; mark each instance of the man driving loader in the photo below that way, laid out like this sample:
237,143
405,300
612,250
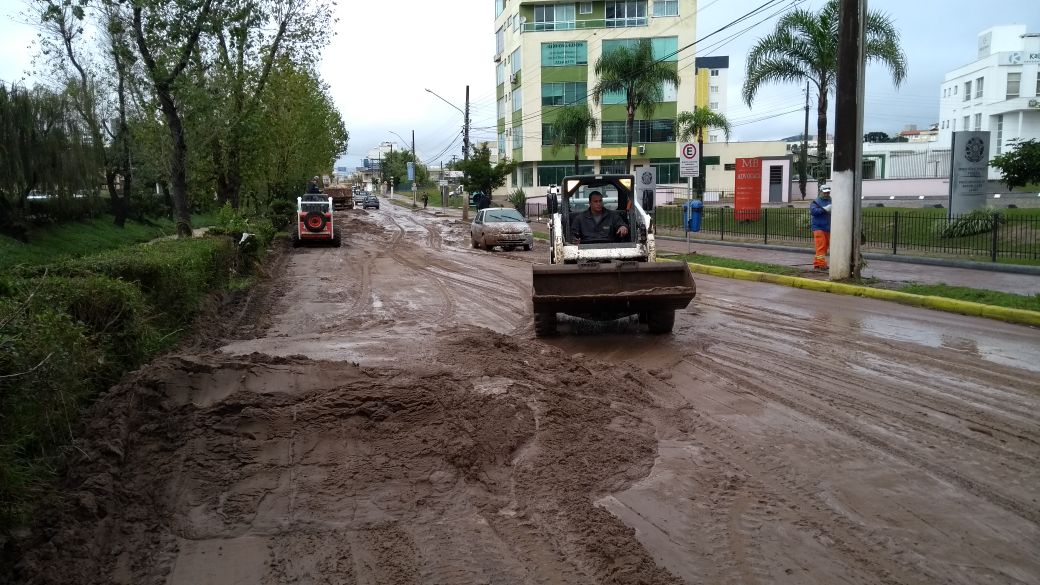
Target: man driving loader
597,225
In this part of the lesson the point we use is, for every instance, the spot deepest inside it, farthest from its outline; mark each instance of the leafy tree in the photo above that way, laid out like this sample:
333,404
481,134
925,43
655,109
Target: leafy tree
480,175
696,123
881,137
1020,166
635,72
167,34
573,124
804,46
395,164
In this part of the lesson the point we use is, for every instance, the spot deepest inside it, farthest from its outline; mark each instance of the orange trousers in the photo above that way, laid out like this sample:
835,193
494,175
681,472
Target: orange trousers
822,240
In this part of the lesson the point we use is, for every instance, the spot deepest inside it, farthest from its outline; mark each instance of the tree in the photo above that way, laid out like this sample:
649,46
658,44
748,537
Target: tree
395,164
167,33
635,72
804,46
573,124
480,175
696,123
1020,166
881,137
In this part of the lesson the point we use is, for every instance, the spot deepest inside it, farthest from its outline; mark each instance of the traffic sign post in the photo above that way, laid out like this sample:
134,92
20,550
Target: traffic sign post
689,160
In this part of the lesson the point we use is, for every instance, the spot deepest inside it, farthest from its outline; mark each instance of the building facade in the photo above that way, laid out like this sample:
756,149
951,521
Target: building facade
545,58
712,92
998,92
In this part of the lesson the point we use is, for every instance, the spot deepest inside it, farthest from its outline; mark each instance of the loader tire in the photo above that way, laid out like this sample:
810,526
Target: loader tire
544,324
658,322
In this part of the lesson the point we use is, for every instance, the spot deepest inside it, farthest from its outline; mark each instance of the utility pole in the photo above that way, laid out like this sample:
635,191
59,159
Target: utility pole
846,259
465,155
444,193
415,169
805,145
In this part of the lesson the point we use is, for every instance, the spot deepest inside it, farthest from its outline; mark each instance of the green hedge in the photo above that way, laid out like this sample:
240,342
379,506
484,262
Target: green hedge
71,329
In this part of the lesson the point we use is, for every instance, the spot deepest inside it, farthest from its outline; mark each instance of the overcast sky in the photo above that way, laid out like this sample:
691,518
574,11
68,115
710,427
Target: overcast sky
387,52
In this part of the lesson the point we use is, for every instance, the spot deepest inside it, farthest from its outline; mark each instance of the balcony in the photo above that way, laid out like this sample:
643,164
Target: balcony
584,24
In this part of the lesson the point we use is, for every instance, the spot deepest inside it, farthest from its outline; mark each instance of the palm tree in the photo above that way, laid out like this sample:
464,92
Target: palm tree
690,124
573,124
804,47
635,72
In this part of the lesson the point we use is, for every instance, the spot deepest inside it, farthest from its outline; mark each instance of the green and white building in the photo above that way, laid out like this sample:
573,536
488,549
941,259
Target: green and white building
545,58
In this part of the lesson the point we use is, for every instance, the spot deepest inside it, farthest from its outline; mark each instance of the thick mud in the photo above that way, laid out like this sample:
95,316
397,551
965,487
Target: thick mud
382,413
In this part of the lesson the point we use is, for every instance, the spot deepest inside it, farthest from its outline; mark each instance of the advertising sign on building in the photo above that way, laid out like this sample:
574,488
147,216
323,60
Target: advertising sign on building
969,160
689,160
747,196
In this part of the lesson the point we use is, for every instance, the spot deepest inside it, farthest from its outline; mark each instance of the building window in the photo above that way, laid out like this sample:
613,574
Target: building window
500,5
713,106
978,122
527,176
667,171
663,48
713,89
502,143
518,99
978,87
666,7
613,166
553,174
500,74
713,138
613,132
565,93
585,8
553,17
714,73
967,91
518,137
1000,133
516,22
1014,83
967,122
514,62
955,90
622,14
565,53
1038,84
500,41
502,107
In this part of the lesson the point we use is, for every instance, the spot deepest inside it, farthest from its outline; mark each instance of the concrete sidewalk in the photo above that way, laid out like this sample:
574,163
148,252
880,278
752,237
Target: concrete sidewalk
979,275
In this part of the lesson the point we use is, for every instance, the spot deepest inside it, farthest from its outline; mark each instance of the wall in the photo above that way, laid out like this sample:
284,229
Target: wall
720,179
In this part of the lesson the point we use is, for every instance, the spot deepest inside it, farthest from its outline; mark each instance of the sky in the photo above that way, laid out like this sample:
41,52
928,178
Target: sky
386,53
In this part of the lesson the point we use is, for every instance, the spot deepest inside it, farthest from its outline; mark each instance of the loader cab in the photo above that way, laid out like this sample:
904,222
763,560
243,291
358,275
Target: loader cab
574,197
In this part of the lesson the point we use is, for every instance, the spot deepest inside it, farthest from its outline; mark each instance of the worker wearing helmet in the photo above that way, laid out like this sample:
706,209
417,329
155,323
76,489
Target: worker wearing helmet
820,212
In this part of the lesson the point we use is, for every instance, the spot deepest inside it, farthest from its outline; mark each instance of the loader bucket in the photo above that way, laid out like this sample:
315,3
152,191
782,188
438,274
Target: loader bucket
611,289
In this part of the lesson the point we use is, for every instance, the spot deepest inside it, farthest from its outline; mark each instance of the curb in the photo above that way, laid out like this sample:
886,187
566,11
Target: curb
1019,316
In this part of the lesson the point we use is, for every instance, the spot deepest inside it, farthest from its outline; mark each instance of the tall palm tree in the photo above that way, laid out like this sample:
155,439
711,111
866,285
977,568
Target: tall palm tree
635,72
695,123
804,47
573,124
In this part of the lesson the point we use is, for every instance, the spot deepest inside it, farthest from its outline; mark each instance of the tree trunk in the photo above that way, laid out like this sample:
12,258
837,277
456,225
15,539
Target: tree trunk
821,133
702,181
630,124
118,208
178,156
577,151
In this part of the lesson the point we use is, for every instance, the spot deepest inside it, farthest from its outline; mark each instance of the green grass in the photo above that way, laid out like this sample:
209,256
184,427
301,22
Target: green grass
74,240
982,296
738,264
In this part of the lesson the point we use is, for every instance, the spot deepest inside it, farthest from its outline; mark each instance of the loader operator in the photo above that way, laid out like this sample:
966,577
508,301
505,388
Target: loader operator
597,225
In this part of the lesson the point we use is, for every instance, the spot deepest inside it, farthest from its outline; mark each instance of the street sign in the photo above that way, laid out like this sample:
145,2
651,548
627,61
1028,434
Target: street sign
414,187
689,160
646,179
442,183
411,170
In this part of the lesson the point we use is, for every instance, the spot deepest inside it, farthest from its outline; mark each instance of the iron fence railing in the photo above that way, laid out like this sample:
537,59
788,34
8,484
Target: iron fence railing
1010,235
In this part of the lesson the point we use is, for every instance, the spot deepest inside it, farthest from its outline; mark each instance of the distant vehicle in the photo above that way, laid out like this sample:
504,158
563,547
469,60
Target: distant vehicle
371,202
500,226
359,197
315,222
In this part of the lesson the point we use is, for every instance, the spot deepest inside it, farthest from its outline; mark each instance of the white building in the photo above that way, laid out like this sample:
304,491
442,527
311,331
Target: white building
999,91
712,92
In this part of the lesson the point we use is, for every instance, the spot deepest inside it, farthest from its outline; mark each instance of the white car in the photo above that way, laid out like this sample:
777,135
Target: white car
500,226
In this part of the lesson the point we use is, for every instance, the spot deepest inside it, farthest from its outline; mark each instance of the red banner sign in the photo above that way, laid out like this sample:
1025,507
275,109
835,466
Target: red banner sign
747,197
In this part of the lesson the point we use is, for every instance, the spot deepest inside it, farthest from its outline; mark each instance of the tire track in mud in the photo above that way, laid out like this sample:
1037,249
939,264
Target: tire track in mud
751,378
448,308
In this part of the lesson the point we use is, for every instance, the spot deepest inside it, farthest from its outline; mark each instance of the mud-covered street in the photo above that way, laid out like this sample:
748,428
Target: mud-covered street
382,413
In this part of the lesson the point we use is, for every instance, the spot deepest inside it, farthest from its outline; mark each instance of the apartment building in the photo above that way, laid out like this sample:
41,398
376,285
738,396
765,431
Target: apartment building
545,58
712,92
999,91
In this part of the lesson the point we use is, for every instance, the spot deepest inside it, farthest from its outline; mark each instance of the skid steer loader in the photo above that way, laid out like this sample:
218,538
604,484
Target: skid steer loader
606,281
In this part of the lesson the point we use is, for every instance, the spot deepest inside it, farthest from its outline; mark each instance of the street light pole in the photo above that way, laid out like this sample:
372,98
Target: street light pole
465,139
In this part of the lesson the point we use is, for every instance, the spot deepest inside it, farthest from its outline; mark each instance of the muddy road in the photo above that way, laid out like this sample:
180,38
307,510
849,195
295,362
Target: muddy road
382,413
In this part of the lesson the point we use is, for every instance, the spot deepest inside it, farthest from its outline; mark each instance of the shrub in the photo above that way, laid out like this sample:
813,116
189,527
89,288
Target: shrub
519,200
280,213
978,221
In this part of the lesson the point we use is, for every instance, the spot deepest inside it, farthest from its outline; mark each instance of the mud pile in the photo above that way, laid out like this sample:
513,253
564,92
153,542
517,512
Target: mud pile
480,465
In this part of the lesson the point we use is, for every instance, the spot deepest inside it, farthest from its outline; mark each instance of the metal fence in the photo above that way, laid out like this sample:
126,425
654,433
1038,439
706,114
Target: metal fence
1006,236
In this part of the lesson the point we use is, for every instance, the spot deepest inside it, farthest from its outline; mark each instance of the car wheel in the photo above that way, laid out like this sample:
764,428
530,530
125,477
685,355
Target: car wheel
314,221
544,324
508,248
527,247
474,242
337,240
659,322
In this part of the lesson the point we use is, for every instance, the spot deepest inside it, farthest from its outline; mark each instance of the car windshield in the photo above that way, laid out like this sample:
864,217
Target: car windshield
500,215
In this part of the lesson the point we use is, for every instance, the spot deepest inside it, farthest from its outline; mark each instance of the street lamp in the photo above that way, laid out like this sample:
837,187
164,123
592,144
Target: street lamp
465,138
